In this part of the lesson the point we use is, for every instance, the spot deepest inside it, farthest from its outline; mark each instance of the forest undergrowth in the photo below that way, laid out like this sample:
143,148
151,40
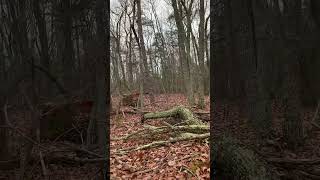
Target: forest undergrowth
182,160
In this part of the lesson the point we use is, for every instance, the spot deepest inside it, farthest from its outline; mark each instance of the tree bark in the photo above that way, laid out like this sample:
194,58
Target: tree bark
260,103
182,52
292,127
44,54
201,54
103,91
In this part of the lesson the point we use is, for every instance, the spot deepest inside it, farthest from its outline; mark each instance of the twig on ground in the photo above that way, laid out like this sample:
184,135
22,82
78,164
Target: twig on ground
163,143
189,171
43,165
147,170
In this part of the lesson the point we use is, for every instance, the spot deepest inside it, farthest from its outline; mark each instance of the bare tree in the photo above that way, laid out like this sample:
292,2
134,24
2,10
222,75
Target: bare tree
184,56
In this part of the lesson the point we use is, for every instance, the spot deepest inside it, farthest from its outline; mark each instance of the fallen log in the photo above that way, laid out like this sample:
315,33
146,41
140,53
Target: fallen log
179,112
190,129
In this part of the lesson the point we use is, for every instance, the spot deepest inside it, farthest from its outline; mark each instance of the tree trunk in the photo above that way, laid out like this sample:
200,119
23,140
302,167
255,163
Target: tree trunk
260,103
182,52
143,55
44,54
292,127
102,80
68,51
201,54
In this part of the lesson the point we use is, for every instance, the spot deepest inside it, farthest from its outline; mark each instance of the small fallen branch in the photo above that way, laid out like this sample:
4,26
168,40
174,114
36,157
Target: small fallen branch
183,167
151,130
43,166
184,137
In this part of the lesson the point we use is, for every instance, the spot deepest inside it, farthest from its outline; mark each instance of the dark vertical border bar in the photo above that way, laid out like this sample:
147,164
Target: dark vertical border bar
108,98
212,162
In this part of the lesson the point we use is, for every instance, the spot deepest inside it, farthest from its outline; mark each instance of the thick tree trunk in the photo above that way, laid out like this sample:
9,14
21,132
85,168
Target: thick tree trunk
65,44
260,104
102,82
292,127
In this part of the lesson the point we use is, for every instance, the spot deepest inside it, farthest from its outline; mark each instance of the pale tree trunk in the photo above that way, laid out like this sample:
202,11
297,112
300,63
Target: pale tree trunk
163,56
201,54
188,35
130,54
118,50
207,35
183,54
143,56
141,77
130,62
115,62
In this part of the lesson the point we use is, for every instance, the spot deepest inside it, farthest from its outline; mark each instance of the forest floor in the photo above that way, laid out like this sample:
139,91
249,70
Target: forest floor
181,160
304,163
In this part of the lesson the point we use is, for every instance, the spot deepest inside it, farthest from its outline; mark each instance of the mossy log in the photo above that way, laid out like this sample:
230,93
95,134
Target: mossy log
192,129
234,161
180,112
